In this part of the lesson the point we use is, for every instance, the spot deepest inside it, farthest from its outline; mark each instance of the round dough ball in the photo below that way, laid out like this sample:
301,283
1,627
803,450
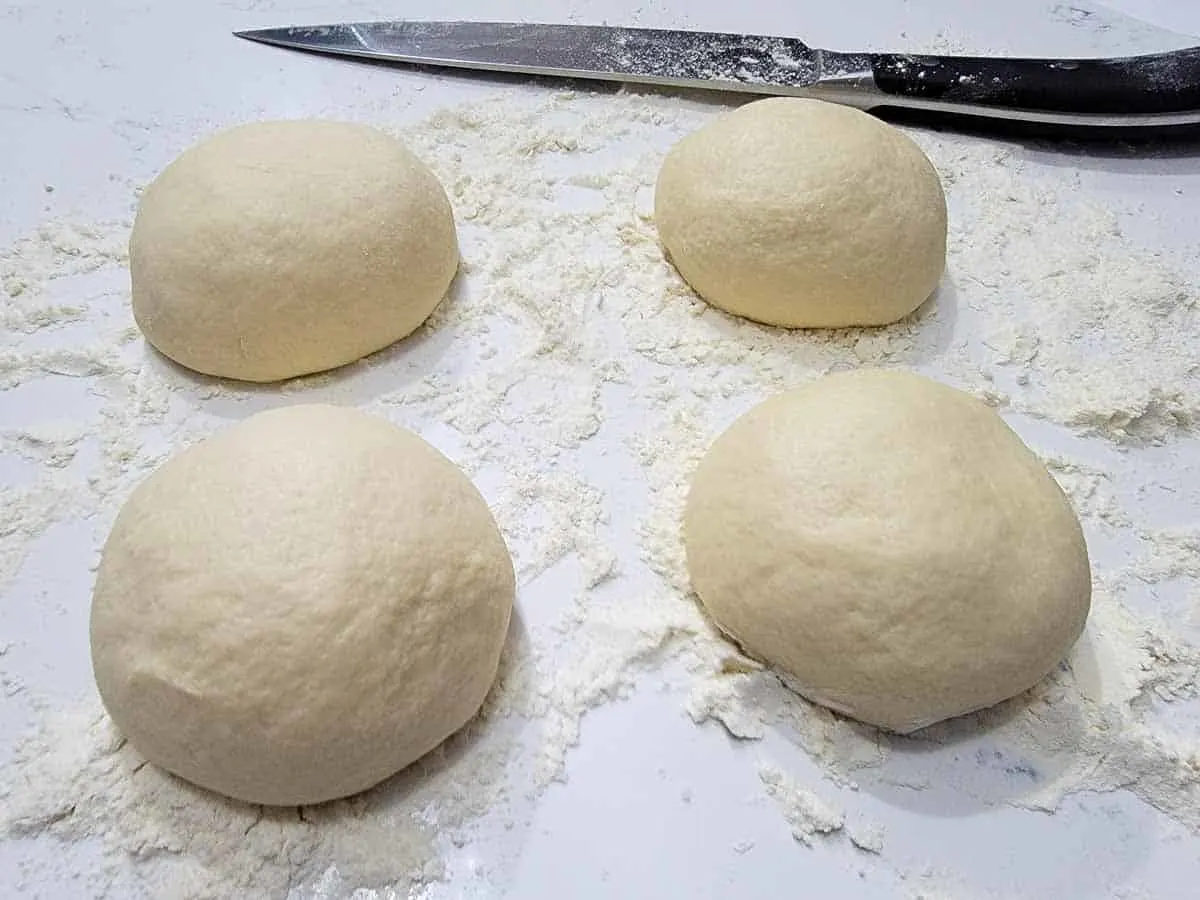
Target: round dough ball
891,544
803,214
299,607
281,248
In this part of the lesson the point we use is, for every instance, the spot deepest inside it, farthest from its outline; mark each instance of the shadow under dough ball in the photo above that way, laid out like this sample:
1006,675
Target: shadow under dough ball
277,249
299,606
891,544
803,214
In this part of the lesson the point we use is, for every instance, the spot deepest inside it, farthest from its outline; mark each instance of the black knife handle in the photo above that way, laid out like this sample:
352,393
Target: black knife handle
1154,83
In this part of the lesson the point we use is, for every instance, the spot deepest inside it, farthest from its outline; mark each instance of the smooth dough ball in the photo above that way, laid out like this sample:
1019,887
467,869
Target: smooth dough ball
891,544
277,249
300,606
803,214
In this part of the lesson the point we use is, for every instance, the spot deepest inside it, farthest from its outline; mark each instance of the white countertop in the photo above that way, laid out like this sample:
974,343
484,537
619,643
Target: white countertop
653,800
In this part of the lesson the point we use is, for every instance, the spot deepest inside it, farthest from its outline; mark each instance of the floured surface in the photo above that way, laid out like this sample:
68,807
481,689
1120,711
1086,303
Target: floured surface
575,378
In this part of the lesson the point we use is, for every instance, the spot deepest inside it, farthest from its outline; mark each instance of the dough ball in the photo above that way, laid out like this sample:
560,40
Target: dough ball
803,214
299,607
891,544
281,248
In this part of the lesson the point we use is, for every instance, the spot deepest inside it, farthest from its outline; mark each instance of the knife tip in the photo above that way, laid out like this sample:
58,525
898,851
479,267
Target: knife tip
258,35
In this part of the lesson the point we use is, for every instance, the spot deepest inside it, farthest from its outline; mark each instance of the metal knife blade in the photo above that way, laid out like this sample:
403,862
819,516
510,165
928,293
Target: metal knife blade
1084,95
593,52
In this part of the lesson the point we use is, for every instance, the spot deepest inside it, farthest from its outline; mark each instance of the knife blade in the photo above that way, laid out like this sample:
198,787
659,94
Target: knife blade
1152,90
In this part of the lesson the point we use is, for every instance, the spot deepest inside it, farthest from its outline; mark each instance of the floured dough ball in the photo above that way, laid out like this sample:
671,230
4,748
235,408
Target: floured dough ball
891,544
281,248
804,214
299,607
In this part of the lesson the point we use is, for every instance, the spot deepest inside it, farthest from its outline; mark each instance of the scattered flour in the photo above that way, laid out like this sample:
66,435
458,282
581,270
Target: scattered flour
569,348
187,843
1176,554
809,816
866,837
1090,490
26,514
53,444
56,251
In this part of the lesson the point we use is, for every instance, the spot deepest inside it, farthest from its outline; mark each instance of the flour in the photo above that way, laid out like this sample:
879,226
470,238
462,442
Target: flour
1176,555
868,838
1090,490
1083,728
76,779
601,651
56,251
576,378
54,444
571,513
188,843
25,515
716,700
808,815
1078,326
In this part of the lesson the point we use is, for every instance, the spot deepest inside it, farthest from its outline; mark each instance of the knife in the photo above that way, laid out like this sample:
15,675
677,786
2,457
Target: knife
1153,90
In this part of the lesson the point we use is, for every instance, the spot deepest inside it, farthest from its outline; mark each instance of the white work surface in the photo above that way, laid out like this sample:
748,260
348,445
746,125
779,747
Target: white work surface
574,380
